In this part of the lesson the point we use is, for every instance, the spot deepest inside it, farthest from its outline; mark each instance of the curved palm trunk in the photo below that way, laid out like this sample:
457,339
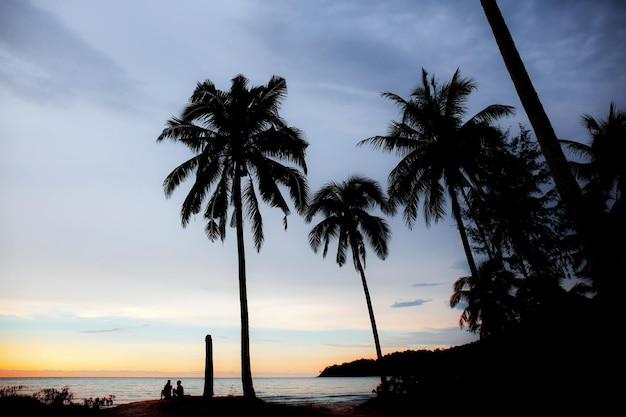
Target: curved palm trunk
563,177
370,309
481,230
246,373
456,211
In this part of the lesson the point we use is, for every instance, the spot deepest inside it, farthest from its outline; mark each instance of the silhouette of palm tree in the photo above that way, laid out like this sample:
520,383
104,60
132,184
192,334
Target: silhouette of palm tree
345,208
565,182
440,154
240,144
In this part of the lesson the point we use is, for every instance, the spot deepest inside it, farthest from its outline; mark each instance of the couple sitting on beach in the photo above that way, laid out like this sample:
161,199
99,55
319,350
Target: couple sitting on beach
167,391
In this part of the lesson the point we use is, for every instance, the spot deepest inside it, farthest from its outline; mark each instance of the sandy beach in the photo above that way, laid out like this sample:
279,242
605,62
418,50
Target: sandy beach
233,406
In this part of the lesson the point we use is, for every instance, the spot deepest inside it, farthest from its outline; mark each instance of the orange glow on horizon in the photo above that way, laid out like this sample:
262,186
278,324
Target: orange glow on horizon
137,374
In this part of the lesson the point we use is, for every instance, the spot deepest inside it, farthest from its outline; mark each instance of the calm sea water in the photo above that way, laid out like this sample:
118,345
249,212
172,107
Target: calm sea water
335,391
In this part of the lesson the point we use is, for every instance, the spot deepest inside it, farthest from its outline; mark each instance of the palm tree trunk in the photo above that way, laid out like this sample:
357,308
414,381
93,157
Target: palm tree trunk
564,179
246,373
370,310
481,230
456,211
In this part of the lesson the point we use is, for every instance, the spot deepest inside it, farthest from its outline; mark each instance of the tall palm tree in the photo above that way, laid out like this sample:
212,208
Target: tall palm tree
345,208
564,180
243,149
440,153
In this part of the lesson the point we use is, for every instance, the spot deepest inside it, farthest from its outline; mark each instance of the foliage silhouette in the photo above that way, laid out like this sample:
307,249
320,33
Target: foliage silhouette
602,173
518,225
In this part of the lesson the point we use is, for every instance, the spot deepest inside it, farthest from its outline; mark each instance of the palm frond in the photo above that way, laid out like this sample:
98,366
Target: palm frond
577,148
492,113
251,205
217,209
178,175
343,244
377,232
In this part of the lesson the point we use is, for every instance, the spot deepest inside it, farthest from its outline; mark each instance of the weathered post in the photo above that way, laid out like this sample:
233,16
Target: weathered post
208,369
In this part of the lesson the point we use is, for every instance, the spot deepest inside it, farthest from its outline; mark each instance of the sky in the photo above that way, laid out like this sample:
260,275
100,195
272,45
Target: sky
97,275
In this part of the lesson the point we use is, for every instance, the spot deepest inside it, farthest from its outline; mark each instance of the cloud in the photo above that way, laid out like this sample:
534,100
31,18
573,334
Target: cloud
402,304
116,329
426,284
42,59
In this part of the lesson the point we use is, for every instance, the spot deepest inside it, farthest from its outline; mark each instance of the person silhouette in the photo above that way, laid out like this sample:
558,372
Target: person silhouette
166,392
180,391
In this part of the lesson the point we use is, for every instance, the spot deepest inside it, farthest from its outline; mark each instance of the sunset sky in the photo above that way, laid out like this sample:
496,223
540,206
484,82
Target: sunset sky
97,275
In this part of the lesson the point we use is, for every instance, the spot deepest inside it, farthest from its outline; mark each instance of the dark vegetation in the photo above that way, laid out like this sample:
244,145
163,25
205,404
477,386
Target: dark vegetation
49,402
563,361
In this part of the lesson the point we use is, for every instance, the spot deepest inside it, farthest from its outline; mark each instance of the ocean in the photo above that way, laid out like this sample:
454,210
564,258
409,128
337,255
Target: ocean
332,391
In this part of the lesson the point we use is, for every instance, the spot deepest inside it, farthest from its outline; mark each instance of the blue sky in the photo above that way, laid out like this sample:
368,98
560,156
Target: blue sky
96,272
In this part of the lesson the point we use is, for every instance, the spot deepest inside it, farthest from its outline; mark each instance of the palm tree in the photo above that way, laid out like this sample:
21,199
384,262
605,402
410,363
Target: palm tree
604,169
345,208
241,148
564,180
602,172
440,153
490,304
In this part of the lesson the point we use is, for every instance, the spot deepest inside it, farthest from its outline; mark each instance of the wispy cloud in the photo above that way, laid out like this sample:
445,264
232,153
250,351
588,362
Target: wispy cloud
426,284
116,329
402,304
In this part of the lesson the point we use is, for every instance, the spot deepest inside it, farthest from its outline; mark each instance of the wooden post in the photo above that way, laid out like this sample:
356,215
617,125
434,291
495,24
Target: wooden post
208,369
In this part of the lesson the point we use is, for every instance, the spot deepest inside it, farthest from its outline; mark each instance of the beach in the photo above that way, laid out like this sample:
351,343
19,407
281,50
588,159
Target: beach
220,406
195,406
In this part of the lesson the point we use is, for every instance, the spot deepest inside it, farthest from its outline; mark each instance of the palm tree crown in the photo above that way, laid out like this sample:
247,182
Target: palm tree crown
242,150
345,208
603,169
440,153
240,137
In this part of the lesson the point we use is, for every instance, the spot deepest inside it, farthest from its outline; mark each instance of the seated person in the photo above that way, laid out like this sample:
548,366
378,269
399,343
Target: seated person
166,392
179,391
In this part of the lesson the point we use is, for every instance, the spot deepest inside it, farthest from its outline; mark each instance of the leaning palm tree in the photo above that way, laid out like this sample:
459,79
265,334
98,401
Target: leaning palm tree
440,153
345,208
564,180
242,150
